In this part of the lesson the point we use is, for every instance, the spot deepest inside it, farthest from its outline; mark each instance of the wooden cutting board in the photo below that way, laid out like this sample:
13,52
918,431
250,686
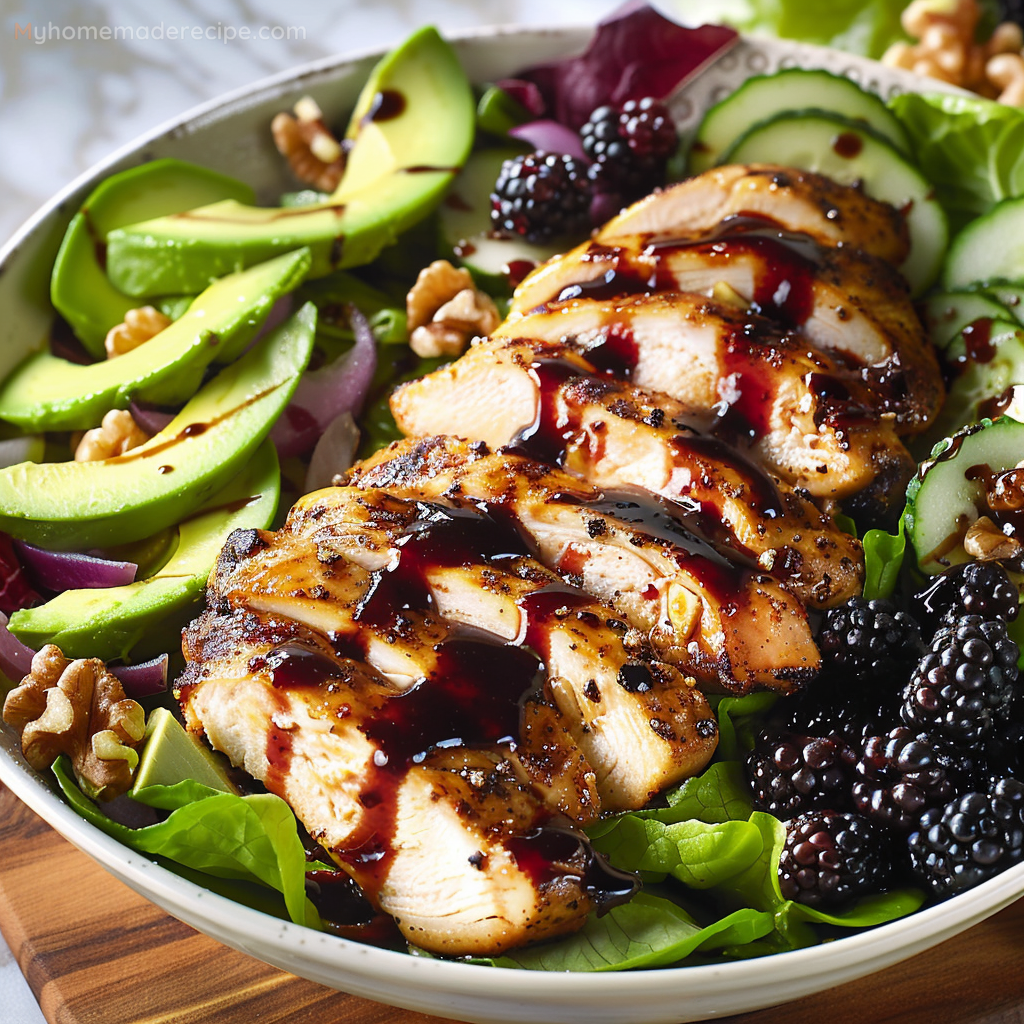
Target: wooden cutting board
94,952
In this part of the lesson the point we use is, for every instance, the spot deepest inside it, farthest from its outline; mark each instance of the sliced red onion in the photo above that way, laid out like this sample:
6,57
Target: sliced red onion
152,418
144,679
526,94
15,657
70,570
334,452
549,137
324,394
279,312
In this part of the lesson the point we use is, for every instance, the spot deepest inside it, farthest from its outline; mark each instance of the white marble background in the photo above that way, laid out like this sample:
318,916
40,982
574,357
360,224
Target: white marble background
66,103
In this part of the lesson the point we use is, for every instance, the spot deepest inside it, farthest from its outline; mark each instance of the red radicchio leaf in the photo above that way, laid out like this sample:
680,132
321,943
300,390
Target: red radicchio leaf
15,590
526,94
635,52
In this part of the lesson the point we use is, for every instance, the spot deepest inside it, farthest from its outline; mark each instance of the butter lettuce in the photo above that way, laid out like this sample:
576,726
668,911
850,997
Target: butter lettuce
973,149
243,838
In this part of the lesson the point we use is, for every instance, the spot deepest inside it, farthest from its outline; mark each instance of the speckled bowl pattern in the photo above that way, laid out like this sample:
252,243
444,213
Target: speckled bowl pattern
232,135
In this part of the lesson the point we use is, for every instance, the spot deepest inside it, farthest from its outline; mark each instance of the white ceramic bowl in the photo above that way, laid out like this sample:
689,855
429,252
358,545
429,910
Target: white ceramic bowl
231,135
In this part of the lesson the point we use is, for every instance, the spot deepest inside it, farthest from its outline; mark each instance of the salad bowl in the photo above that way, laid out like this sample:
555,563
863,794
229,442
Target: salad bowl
231,135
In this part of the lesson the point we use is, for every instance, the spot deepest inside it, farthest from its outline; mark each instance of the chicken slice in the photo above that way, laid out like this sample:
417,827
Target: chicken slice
451,843
842,300
540,400
463,568
733,629
789,199
805,417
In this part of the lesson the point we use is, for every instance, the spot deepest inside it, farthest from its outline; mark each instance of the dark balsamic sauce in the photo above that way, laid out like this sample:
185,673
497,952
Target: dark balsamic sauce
473,697
977,337
386,106
847,145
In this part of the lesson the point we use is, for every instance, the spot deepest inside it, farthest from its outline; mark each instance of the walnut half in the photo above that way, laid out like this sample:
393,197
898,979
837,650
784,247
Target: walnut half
78,708
445,311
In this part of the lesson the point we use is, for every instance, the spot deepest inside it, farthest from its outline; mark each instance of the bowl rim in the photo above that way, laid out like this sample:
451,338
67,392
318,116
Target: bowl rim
849,957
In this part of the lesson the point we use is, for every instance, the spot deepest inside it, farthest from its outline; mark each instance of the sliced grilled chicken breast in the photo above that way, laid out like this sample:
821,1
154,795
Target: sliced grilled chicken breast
803,415
615,435
769,195
450,842
732,628
843,301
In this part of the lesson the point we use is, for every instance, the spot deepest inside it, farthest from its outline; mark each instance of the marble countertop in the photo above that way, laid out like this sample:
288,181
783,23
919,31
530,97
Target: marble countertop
77,81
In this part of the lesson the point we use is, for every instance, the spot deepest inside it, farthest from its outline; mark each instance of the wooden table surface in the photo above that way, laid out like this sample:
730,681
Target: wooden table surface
94,952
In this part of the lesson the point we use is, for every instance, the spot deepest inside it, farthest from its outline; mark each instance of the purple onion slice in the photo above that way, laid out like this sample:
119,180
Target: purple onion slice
71,570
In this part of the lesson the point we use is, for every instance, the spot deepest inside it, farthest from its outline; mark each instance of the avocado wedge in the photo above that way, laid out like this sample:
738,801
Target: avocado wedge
81,505
47,393
106,623
79,289
412,129
171,755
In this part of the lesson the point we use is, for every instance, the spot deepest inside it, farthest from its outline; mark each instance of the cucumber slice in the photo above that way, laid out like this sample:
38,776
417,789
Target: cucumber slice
788,91
942,502
946,314
990,249
987,358
849,153
465,223
1010,296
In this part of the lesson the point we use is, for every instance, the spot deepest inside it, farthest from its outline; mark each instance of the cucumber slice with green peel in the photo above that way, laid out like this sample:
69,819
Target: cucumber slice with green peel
989,250
1009,296
79,288
851,153
946,314
793,90
464,218
948,494
987,358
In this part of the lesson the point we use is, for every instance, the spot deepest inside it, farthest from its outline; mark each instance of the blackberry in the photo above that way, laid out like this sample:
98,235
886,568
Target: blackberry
790,774
830,858
971,588
541,196
965,683
832,707
898,777
630,147
969,840
869,640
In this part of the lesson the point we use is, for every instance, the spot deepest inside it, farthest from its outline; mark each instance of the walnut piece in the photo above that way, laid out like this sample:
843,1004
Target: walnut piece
139,326
117,434
313,153
947,49
986,542
78,708
445,311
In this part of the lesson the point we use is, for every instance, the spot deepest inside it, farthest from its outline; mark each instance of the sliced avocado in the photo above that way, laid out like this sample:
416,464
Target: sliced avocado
47,393
81,505
412,129
170,755
79,289
107,623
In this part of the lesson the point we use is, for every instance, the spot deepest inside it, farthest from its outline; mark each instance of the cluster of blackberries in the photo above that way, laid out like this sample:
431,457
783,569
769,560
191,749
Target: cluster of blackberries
902,760
541,196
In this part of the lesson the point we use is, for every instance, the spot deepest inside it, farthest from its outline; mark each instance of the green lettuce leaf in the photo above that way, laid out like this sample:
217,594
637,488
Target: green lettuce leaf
718,794
867,27
738,719
971,149
649,931
883,559
695,853
246,838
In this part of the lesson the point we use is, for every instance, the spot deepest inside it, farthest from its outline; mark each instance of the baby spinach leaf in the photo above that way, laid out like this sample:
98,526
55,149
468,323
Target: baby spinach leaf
251,838
719,794
737,717
649,931
883,559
